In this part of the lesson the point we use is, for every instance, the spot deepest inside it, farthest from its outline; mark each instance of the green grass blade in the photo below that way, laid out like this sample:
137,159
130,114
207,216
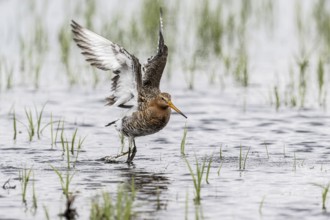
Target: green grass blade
73,140
208,169
246,156
183,141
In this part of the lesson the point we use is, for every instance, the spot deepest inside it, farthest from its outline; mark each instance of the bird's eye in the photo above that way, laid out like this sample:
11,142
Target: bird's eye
163,99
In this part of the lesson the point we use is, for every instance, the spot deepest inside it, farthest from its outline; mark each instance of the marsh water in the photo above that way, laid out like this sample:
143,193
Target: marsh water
283,139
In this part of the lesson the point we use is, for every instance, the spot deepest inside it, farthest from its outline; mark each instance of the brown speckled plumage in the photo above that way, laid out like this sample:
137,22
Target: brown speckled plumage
150,109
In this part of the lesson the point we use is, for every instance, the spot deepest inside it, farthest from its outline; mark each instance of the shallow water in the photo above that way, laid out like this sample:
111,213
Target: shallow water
289,148
160,174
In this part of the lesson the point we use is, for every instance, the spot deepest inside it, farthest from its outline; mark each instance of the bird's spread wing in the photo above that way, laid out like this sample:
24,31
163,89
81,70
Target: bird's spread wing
154,67
106,55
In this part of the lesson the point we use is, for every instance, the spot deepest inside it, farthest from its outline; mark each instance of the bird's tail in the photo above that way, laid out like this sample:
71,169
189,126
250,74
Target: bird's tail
111,123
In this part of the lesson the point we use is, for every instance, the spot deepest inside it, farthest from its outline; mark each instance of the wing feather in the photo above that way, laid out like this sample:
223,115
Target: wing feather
106,55
154,67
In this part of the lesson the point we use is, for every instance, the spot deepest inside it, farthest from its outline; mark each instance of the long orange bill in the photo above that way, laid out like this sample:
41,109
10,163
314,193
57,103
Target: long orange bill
176,109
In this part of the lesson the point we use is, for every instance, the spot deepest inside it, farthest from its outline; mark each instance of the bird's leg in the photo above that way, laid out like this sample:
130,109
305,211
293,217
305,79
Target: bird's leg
121,154
133,150
129,157
130,153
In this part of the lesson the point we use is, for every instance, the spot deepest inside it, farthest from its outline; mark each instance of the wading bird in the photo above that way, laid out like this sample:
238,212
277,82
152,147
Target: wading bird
133,87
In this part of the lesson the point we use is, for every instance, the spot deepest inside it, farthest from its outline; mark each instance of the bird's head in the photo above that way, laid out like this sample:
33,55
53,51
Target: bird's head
164,101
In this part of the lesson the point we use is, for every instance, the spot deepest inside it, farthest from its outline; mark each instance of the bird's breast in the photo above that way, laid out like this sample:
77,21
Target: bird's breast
147,122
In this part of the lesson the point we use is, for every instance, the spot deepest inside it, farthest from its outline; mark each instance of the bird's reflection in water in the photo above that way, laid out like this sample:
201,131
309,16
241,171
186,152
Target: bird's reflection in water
150,189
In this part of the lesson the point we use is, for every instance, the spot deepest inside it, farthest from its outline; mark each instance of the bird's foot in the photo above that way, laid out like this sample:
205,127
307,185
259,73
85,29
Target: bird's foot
113,159
129,161
110,159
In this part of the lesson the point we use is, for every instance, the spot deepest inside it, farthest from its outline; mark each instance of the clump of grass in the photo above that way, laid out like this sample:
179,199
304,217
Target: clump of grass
183,141
124,204
291,97
197,178
325,190
210,29
241,73
320,74
101,210
10,79
89,13
25,178
33,52
39,117
150,21
64,180
227,61
8,72
51,124
80,143
322,20
23,55
30,124
302,65
37,69
40,36
107,209
299,22
32,127
40,45
190,69
74,147
65,39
